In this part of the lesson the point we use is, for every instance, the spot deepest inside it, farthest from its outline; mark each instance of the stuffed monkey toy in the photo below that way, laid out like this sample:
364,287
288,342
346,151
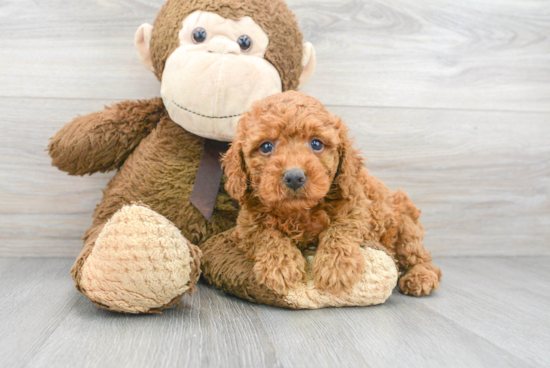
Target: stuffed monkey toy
214,59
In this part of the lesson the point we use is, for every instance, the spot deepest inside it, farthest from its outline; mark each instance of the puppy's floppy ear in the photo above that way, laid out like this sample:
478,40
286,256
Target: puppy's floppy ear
234,166
350,165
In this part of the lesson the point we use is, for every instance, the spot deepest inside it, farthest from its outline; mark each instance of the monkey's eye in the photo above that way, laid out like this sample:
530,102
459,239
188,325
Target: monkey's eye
244,42
316,145
266,148
199,35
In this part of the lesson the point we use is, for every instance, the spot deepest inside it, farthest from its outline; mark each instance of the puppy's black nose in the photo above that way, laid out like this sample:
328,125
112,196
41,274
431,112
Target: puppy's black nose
294,178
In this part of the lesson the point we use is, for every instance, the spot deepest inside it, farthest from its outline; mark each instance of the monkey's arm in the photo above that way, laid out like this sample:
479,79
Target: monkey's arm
101,141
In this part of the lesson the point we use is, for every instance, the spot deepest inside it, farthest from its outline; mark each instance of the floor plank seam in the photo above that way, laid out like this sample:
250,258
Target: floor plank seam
460,326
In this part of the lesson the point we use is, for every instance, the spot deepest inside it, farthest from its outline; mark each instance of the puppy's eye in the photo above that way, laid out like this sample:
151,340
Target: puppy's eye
316,145
199,35
244,42
266,148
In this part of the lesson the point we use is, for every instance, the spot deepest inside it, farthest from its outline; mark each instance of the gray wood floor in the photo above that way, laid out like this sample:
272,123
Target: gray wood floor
490,312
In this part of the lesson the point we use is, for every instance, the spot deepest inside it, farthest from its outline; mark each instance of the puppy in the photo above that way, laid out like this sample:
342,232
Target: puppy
301,185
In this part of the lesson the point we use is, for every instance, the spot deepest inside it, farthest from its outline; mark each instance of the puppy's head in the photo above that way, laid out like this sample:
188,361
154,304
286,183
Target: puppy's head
290,153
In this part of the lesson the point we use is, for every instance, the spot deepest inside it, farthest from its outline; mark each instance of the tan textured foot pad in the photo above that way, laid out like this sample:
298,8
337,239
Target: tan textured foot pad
379,280
141,263
229,269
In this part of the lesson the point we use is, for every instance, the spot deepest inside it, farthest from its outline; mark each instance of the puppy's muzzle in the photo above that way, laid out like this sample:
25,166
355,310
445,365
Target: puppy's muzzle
294,178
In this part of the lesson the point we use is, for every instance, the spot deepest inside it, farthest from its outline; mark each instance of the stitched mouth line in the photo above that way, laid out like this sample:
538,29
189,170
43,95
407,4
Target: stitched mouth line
205,116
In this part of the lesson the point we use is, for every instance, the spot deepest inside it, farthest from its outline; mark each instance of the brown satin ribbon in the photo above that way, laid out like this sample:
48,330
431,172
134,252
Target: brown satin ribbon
209,177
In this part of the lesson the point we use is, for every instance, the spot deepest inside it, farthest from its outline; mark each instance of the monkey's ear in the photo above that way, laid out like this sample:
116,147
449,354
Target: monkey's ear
142,41
308,62
233,165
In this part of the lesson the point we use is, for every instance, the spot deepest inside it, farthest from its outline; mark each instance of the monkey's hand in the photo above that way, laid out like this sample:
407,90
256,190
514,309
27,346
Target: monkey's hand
101,141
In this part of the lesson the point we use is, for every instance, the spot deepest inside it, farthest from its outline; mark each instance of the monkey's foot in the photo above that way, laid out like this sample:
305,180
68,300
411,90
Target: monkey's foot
228,268
141,263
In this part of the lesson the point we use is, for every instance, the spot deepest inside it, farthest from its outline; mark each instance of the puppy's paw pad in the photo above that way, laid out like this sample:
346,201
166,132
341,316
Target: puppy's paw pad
140,262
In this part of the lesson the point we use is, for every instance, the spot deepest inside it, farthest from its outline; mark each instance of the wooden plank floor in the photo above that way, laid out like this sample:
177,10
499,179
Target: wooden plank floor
489,312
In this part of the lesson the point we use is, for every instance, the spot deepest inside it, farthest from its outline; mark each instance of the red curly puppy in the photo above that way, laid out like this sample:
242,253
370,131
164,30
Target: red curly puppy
301,184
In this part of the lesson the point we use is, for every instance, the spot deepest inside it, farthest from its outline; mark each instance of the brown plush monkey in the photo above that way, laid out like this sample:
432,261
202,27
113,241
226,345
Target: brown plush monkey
214,59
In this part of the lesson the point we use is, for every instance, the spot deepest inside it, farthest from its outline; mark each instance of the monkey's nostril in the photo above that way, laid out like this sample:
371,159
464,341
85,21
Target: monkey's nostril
294,178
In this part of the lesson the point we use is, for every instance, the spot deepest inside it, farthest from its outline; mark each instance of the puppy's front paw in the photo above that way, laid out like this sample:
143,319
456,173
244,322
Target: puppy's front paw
280,272
337,271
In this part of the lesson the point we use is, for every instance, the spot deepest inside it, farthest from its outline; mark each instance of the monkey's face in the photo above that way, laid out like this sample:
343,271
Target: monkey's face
216,73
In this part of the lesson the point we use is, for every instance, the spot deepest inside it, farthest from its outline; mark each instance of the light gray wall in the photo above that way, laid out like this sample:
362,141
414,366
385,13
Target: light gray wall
449,100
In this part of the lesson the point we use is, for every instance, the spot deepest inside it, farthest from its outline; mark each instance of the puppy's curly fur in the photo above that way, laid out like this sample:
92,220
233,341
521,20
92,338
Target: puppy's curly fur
338,208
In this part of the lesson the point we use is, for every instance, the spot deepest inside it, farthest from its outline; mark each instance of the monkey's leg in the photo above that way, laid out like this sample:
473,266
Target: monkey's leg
137,262
230,269
420,275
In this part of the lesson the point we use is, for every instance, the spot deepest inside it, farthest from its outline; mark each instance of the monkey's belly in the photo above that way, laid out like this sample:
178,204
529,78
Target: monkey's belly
160,173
